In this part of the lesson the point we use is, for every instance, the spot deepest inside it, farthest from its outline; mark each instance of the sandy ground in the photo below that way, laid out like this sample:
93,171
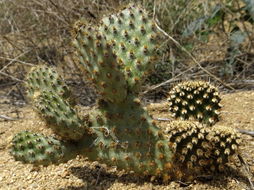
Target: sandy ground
79,174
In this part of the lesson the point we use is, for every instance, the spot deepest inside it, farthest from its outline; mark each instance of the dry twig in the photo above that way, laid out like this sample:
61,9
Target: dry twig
193,58
7,118
13,60
247,170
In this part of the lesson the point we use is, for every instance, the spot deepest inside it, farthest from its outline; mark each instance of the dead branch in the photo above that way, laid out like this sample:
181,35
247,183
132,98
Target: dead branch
193,58
7,118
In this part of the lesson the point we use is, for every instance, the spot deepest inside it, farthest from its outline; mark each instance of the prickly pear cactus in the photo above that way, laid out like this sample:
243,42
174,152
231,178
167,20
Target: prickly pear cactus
39,150
195,100
51,98
116,56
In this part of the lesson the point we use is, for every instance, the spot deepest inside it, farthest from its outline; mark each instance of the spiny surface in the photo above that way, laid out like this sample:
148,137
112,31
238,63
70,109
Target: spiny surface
195,100
99,63
226,142
198,149
134,38
50,96
45,78
116,55
127,138
36,149
121,51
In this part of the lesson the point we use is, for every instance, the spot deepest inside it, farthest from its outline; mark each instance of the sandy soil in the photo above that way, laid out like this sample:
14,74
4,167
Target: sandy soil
78,174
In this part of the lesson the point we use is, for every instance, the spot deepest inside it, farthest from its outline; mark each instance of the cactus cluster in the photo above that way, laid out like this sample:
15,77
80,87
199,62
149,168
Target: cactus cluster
197,100
198,149
116,55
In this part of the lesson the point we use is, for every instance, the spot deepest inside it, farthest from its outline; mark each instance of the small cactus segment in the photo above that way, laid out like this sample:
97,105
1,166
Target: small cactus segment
39,150
200,149
133,37
195,99
60,116
99,62
50,96
45,78
192,149
226,143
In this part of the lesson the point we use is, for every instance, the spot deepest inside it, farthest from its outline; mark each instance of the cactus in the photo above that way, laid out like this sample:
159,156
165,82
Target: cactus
195,100
40,150
51,98
116,56
198,149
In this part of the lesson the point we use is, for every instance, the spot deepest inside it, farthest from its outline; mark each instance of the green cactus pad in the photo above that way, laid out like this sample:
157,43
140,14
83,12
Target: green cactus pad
134,38
40,150
60,116
195,100
99,62
45,78
50,96
127,138
117,54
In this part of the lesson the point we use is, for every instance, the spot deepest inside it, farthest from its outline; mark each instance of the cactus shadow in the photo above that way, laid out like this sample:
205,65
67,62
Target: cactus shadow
99,177
229,178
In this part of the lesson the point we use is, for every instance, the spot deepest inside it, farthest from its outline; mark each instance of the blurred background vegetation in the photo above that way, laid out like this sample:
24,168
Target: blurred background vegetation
205,39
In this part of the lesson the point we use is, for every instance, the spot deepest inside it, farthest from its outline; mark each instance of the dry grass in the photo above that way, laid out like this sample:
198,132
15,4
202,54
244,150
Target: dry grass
33,32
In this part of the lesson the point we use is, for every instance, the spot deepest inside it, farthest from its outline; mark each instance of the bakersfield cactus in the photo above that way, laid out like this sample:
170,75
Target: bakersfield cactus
195,100
116,56
39,150
51,98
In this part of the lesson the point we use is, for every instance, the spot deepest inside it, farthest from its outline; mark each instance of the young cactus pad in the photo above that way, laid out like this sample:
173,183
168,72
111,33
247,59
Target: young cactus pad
51,98
195,99
116,55
39,150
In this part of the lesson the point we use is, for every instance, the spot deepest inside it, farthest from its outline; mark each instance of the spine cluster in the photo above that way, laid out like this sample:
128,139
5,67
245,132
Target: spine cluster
198,149
197,100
